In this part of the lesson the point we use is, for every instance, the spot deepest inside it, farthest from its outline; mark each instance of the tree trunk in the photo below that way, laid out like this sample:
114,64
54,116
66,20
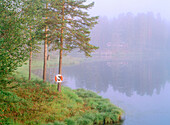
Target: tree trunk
45,52
30,61
60,67
45,56
61,48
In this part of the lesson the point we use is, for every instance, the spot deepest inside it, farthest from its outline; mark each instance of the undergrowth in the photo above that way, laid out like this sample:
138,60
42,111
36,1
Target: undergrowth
35,102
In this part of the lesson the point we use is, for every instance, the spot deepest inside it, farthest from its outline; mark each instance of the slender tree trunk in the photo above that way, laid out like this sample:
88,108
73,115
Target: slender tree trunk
45,52
30,61
60,67
45,56
61,48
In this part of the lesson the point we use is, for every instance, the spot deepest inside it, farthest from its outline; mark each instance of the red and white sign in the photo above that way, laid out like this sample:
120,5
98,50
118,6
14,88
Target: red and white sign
59,78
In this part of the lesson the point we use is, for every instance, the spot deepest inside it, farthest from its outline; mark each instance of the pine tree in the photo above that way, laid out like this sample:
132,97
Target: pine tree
43,33
32,10
45,49
72,27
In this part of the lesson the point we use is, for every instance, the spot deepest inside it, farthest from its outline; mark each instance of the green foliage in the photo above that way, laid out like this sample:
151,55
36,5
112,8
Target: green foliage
90,115
59,123
70,121
105,110
32,11
9,97
8,121
72,95
18,21
84,93
73,25
13,38
99,119
84,121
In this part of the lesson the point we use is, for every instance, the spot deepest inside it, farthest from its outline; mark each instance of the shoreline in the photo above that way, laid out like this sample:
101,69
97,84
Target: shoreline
46,105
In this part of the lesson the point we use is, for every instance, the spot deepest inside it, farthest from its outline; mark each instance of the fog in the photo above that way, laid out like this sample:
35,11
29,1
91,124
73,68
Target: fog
112,8
144,33
131,26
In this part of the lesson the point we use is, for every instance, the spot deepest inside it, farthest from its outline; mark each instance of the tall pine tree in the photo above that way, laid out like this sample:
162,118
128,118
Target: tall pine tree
43,34
72,26
45,47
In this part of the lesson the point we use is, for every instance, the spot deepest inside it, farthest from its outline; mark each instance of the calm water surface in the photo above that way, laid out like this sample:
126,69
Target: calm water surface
141,88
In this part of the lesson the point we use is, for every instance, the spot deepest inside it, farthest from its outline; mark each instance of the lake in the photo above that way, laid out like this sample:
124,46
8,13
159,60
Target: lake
140,87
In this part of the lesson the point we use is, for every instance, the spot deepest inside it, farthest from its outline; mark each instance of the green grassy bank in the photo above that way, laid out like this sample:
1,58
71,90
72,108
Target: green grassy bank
35,102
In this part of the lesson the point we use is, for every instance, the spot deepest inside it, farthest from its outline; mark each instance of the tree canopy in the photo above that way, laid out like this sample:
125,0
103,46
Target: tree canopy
16,19
13,38
71,23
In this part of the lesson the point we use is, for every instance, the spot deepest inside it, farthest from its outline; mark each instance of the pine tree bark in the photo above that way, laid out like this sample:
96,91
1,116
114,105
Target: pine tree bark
60,68
45,56
45,53
61,48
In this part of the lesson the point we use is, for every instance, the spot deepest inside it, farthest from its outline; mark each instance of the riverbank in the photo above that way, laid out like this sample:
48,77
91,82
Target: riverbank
35,102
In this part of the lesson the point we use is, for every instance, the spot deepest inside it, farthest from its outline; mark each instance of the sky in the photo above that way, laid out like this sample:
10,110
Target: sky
112,8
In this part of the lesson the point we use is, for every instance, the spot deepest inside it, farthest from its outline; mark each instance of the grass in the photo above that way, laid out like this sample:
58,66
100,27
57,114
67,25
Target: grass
22,72
35,103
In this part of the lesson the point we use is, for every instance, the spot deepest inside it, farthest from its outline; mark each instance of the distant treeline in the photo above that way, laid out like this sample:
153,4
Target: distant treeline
142,32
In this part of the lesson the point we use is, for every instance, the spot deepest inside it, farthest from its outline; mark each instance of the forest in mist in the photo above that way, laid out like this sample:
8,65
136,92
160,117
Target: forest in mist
140,33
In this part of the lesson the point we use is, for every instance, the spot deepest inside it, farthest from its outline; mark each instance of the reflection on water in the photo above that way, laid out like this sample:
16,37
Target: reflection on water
125,76
141,88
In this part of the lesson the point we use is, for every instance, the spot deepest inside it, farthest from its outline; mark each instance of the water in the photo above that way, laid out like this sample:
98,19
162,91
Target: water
141,88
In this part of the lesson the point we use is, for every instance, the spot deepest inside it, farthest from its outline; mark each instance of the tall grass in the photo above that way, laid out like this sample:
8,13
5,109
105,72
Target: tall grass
35,102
